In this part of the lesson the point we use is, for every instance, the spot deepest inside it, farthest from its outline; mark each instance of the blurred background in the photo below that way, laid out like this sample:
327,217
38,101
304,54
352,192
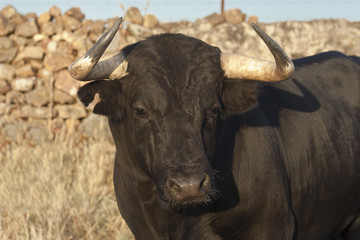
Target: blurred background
176,10
56,157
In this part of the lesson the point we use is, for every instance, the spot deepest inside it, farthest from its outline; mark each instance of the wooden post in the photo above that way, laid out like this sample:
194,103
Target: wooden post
222,6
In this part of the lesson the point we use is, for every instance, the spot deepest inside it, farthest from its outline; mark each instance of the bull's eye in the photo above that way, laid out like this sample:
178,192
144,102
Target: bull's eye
216,110
140,113
213,115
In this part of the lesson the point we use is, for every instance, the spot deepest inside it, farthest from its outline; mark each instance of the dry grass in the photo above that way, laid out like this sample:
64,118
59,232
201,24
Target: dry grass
59,190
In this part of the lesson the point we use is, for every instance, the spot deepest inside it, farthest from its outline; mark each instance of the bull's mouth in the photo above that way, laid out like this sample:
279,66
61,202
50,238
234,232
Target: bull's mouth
190,201
176,205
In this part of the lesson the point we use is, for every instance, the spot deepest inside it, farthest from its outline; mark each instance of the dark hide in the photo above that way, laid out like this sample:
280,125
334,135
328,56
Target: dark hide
281,160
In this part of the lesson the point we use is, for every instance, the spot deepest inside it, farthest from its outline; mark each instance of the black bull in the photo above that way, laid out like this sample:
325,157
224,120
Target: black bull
200,156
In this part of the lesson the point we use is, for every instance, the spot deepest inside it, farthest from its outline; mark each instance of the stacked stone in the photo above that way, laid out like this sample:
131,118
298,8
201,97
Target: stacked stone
38,97
35,87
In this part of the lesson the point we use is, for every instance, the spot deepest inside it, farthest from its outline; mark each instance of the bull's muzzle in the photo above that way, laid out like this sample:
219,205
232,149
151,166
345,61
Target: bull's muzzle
189,190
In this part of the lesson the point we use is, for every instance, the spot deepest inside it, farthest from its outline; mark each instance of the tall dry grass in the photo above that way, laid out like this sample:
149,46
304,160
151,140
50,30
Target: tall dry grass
59,190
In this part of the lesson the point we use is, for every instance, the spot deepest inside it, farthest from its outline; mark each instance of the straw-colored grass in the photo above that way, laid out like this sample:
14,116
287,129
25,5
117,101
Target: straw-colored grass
59,190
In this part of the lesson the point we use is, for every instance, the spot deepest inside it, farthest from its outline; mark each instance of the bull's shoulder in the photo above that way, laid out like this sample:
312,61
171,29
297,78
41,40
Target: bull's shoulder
329,69
331,76
324,86
325,58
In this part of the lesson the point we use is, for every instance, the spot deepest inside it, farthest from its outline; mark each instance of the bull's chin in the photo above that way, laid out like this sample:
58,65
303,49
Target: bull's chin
177,205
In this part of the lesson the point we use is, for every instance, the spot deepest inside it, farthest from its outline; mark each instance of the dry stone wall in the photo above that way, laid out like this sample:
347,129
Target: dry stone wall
38,97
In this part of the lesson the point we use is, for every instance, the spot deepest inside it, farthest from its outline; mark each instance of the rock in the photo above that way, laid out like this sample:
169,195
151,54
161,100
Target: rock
64,82
39,37
59,26
3,109
6,26
38,97
253,19
36,64
203,26
70,23
92,29
55,12
15,97
44,18
6,43
61,97
5,87
30,52
215,19
24,71
65,47
69,36
55,61
7,55
234,16
20,42
8,12
20,19
6,72
45,75
82,44
76,13
27,29
96,127
30,15
94,37
71,111
74,40
85,27
97,27
150,21
139,31
52,46
23,84
133,15
28,111
111,21
48,28
8,50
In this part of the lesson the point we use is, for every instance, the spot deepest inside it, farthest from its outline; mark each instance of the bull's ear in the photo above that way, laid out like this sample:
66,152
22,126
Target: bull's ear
109,93
239,96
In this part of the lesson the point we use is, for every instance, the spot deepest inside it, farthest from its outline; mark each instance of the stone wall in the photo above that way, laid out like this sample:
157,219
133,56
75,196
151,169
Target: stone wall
38,97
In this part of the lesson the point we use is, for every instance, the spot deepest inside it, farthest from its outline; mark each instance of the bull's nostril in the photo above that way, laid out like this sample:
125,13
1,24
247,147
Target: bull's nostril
205,183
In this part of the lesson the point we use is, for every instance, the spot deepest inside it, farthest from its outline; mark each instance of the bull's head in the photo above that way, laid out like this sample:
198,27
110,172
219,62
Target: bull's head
164,102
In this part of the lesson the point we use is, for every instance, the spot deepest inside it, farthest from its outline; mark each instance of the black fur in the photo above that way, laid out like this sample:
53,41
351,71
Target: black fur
283,158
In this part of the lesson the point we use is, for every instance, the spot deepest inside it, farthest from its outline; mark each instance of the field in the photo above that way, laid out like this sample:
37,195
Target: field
59,190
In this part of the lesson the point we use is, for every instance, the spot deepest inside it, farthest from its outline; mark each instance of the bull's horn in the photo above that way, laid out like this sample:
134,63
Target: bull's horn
88,66
243,67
